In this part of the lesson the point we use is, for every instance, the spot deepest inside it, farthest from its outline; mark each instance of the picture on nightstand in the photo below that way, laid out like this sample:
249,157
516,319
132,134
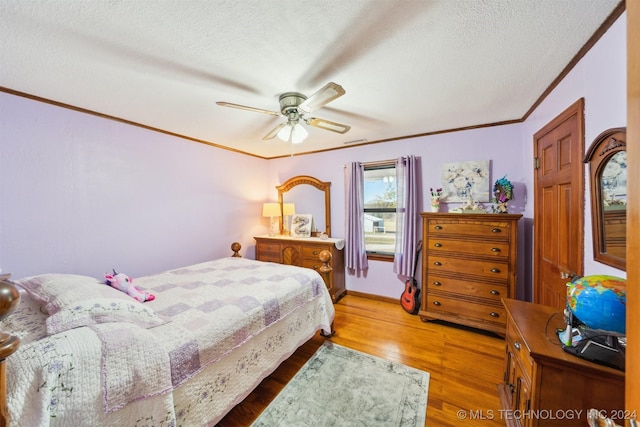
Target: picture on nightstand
301,225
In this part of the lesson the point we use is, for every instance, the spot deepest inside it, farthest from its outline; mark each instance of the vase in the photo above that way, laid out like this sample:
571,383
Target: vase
435,208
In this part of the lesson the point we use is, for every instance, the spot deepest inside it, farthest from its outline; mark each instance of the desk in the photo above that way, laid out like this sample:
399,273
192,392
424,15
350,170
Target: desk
540,379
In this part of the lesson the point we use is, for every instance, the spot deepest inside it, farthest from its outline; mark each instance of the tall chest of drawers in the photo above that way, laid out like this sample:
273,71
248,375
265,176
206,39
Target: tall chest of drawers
468,265
304,252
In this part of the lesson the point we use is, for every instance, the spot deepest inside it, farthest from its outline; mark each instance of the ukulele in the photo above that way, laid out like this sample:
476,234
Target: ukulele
409,299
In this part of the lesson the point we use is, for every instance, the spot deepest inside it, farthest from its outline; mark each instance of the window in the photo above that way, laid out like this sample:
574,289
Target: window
380,201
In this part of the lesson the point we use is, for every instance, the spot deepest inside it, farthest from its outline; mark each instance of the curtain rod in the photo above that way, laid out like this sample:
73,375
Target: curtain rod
379,162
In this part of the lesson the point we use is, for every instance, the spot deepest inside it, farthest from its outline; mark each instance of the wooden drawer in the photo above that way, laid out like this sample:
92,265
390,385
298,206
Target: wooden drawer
452,305
312,252
491,270
310,256
491,291
269,252
486,229
313,264
518,347
497,249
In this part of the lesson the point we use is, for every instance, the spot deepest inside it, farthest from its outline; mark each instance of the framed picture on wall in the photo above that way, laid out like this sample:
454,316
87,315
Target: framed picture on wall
301,225
464,181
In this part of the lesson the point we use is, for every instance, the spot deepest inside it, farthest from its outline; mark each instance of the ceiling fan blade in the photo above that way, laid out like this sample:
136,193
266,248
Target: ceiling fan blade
274,131
328,125
328,93
244,107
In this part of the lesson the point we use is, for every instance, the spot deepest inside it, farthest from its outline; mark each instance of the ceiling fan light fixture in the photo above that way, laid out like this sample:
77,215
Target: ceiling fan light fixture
299,133
294,132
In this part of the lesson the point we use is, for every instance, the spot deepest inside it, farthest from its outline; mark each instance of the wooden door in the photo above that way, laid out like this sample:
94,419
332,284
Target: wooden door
559,205
632,387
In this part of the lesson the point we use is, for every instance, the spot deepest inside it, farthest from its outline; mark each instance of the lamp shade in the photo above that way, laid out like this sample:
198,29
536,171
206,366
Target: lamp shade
294,132
271,209
288,209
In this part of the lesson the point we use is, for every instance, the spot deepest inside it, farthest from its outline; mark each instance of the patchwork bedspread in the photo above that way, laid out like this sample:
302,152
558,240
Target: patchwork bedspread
229,323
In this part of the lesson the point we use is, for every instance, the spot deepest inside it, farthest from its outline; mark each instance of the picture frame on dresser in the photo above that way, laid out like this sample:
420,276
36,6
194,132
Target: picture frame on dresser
301,225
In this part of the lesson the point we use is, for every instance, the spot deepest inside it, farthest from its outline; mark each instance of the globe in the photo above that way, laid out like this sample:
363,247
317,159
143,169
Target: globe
599,302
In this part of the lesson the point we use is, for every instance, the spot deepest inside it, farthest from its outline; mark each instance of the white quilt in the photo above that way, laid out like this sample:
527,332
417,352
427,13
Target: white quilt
230,322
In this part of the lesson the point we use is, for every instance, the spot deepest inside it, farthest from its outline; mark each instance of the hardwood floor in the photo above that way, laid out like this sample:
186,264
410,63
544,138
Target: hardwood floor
465,364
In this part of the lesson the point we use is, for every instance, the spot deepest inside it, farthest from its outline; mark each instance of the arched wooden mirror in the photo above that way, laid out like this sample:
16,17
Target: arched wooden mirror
607,158
309,196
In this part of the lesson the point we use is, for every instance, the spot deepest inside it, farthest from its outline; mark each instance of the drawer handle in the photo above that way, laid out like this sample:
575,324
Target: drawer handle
496,230
438,227
316,252
516,344
438,245
437,263
437,303
437,283
495,249
495,270
494,292
494,314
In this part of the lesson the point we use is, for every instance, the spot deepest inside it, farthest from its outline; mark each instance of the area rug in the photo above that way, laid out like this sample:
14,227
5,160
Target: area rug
343,387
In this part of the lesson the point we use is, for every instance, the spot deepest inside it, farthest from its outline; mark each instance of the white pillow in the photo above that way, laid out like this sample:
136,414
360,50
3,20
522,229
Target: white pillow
73,301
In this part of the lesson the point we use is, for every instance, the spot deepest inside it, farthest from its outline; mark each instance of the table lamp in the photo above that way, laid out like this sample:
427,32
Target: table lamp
271,210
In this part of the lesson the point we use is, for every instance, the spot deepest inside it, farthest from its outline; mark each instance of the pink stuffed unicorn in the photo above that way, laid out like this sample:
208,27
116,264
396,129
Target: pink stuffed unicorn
122,282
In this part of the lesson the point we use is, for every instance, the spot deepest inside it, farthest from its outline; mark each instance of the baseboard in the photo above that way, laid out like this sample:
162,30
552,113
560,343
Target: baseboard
373,296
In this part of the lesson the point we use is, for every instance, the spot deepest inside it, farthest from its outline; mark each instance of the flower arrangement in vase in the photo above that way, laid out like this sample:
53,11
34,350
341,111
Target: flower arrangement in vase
503,192
435,199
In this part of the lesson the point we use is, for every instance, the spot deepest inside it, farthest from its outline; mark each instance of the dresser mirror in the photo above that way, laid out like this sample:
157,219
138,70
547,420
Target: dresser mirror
309,196
607,159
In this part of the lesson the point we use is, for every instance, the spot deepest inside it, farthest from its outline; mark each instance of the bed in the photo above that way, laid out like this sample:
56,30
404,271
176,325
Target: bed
91,355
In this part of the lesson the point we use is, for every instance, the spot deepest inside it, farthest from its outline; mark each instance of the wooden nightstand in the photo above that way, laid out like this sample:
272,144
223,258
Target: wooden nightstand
545,386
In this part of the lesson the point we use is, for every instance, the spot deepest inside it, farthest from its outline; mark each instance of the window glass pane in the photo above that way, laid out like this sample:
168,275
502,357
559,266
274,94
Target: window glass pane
380,238
380,196
380,188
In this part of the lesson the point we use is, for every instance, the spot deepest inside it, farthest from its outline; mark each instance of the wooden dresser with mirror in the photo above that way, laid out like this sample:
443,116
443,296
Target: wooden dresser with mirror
309,196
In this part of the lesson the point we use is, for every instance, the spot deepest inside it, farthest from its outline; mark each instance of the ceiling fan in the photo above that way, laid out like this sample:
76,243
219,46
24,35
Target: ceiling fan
296,107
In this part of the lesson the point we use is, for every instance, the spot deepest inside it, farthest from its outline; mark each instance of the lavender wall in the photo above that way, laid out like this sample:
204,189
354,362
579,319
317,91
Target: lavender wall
82,194
501,145
599,77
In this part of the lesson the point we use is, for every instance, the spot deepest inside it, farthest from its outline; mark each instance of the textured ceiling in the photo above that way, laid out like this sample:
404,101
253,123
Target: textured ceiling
409,67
